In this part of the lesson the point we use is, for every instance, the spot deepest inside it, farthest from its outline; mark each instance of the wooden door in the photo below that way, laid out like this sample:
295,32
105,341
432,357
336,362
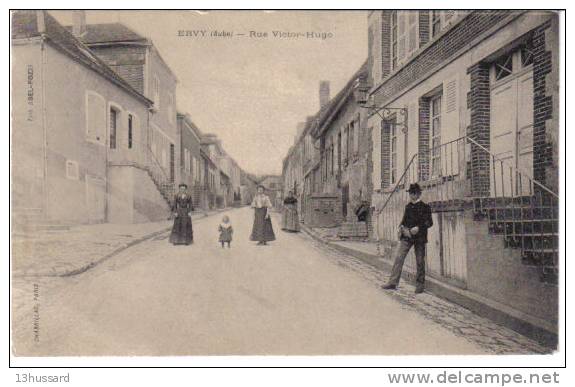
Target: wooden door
525,131
512,135
502,139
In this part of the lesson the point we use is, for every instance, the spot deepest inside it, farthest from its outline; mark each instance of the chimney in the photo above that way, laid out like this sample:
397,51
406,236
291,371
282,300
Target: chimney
323,93
79,26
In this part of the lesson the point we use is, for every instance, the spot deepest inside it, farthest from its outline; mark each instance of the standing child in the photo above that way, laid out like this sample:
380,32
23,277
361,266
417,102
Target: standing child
226,231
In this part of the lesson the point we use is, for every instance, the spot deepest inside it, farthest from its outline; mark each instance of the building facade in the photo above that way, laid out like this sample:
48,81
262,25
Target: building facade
76,142
345,151
139,63
466,103
192,166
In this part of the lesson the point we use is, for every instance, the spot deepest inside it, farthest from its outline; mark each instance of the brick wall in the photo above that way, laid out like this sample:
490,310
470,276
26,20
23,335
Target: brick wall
542,110
455,39
128,62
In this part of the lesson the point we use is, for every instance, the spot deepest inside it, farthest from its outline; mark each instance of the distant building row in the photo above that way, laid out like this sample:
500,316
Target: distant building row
465,103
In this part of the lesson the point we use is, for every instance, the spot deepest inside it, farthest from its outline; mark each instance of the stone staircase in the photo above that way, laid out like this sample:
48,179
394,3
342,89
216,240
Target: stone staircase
529,224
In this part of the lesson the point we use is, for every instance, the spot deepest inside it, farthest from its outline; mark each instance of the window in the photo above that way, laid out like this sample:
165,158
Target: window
503,66
96,120
351,138
156,91
346,144
404,36
401,16
130,130
527,54
339,151
186,160
435,136
435,23
113,127
356,138
412,29
440,20
330,156
193,166
72,172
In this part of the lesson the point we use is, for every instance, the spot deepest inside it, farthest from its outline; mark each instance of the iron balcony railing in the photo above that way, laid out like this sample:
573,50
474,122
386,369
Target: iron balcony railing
463,173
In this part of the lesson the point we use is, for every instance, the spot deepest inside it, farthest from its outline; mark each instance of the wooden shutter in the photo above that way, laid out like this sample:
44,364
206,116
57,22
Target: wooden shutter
401,35
450,126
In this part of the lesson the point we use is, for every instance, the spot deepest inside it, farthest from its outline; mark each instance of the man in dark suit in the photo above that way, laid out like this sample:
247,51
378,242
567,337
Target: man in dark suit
412,232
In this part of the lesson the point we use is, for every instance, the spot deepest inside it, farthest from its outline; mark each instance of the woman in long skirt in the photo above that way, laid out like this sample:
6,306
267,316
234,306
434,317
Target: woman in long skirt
182,232
262,231
290,220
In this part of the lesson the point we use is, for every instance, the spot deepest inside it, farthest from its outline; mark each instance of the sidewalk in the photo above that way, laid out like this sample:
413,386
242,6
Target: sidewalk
366,251
73,251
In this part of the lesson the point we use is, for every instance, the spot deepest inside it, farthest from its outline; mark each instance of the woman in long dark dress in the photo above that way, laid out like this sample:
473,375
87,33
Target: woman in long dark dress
262,231
182,232
290,220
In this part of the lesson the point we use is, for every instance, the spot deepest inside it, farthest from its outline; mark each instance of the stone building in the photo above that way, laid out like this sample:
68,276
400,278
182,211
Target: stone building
345,155
466,103
86,143
135,58
192,166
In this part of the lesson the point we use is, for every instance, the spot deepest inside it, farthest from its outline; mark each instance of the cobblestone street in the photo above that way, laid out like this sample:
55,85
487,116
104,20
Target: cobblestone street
296,296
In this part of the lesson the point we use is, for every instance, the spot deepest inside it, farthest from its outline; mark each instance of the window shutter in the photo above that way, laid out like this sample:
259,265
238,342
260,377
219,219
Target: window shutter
97,119
357,130
401,38
413,22
450,126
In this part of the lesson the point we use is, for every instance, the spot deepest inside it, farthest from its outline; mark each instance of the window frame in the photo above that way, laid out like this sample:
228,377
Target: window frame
435,135
113,132
130,130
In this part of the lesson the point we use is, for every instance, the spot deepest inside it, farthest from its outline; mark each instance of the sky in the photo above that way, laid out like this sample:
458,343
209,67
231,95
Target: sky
252,91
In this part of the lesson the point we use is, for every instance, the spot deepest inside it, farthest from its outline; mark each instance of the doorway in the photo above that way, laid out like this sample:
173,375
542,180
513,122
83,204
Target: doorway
511,124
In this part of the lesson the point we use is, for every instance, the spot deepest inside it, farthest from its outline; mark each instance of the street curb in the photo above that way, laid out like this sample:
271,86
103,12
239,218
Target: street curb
118,250
528,326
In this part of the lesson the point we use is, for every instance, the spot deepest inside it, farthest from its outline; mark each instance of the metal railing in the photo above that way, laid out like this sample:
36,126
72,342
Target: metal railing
462,172
520,208
160,176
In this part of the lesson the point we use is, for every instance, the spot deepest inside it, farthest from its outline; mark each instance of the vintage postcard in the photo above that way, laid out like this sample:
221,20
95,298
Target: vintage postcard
345,182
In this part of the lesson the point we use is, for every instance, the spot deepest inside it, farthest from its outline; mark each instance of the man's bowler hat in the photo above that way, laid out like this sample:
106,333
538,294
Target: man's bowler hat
414,188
